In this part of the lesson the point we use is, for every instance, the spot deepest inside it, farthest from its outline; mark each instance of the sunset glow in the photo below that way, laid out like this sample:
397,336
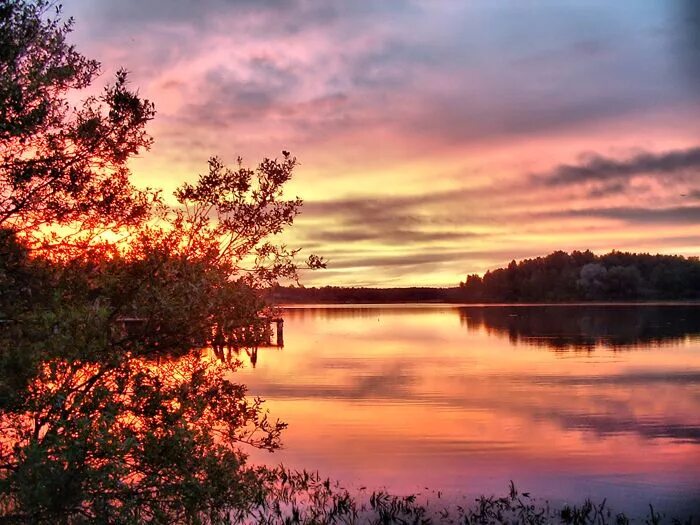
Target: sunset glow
436,139
350,261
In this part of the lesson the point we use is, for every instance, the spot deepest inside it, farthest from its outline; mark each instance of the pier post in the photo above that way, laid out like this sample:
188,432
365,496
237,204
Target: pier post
280,332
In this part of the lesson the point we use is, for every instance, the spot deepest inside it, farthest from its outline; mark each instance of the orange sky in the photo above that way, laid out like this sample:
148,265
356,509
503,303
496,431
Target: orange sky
435,138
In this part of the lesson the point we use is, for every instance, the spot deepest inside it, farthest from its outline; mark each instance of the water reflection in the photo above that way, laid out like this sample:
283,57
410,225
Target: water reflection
585,327
463,399
231,355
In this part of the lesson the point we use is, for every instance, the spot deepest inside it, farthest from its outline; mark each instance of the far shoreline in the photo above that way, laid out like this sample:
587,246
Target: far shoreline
488,304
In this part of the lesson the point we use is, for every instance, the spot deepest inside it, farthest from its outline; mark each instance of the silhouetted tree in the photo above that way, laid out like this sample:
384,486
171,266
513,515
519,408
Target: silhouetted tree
99,422
60,163
581,276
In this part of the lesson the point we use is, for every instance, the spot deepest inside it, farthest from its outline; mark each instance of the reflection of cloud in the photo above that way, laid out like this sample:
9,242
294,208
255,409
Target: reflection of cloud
642,378
552,398
611,424
636,400
392,381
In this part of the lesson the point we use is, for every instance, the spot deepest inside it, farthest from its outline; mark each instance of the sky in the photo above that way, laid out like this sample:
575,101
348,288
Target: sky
435,138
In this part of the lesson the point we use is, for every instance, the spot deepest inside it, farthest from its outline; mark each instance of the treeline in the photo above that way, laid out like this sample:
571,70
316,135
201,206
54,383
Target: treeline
350,295
584,276
557,277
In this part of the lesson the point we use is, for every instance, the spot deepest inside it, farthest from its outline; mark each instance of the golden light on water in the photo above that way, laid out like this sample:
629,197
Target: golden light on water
415,397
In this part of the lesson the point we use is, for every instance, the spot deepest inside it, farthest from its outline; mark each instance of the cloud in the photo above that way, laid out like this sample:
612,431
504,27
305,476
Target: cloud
393,236
133,13
597,168
640,215
252,90
401,209
451,74
606,188
687,41
387,97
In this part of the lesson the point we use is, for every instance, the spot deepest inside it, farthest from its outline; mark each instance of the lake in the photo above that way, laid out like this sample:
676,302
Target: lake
569,402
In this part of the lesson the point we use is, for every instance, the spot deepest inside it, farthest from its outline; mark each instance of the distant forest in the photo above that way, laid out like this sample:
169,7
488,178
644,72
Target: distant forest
558,277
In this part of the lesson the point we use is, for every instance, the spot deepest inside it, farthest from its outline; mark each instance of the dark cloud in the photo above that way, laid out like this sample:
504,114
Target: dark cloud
452,75
688,41
407,259
606,189
596,168
421,259
406,207
225,97
417,221
274,17
397,220
393,236
639,215
125,14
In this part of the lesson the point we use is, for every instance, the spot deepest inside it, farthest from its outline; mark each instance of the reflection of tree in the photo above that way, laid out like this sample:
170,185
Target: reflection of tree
353,312
234,354
131,440
584,327
332,313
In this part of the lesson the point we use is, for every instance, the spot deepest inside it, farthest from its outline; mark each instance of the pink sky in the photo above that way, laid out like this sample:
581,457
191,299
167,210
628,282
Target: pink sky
437,138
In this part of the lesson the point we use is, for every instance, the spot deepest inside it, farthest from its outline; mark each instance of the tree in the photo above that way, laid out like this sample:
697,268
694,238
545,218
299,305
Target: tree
592,281
585,276
62,164
99,422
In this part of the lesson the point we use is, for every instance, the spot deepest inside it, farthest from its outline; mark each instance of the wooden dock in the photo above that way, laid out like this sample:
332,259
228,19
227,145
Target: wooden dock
263,332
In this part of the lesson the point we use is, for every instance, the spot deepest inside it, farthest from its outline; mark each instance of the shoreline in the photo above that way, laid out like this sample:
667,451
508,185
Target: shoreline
483,304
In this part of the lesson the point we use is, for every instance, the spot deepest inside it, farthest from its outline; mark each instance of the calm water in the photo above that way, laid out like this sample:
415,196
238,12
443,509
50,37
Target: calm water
567,401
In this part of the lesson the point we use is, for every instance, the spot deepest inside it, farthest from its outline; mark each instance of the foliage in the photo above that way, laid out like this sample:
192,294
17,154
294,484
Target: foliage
557,277
228,215
100,421
341,294
305,498
62,164
585,276
108,412
126,441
